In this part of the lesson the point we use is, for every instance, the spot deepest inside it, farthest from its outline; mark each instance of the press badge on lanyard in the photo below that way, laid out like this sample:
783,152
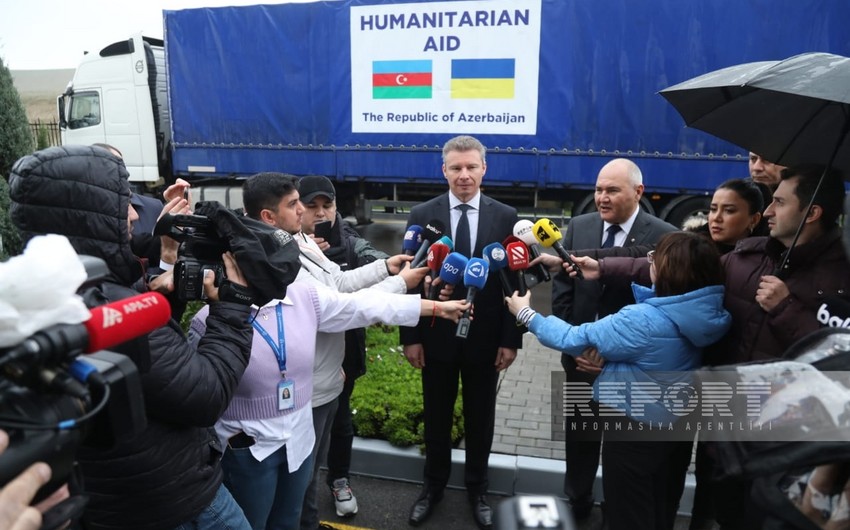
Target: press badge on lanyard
286,387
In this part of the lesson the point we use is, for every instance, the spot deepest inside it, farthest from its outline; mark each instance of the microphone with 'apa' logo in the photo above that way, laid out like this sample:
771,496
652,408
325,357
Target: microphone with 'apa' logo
547,234
474,278
518,262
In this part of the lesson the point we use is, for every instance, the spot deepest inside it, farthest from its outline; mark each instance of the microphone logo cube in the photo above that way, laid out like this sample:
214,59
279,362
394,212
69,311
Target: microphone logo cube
518,253
111,317
542,235
475,269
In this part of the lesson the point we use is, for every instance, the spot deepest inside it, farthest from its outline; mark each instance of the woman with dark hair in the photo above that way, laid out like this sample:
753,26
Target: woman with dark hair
643,343
736,212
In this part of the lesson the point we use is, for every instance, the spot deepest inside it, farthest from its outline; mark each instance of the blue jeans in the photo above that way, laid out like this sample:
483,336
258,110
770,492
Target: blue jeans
268,493
222,514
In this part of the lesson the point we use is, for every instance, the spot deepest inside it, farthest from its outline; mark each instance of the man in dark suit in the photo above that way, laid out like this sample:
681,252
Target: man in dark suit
491,346
619,222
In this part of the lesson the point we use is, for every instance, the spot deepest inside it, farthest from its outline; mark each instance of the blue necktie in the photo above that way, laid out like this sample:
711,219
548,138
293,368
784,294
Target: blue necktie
462,237
612,233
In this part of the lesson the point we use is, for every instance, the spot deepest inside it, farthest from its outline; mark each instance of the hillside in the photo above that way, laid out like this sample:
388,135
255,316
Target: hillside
38,90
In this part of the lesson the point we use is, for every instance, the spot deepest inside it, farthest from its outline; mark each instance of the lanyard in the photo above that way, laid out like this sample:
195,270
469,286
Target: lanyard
279,349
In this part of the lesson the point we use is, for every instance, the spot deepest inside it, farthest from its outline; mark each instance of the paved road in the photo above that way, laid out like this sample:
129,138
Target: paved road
384,505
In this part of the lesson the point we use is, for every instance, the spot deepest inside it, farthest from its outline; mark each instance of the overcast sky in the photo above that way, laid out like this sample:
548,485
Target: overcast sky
50,34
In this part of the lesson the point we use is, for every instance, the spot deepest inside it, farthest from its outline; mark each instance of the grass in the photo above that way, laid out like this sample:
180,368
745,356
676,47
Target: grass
387,401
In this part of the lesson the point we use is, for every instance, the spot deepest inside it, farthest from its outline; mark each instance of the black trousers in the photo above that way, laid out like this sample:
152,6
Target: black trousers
643,481
440,387
581,451
342,436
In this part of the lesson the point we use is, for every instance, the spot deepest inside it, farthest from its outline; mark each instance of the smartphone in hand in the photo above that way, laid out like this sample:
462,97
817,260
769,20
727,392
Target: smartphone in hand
322,229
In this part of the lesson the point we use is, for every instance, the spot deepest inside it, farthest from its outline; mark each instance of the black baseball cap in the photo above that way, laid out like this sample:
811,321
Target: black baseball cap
312,186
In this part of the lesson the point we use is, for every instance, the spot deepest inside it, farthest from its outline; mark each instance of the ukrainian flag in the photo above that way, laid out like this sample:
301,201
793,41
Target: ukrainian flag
483,78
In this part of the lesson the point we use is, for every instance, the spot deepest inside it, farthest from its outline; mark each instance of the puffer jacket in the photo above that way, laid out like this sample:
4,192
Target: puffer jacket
815,270
170,472
643,340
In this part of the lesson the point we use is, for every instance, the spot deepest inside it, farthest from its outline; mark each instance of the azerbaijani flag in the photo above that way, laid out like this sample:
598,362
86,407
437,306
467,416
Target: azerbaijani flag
401,79
483,78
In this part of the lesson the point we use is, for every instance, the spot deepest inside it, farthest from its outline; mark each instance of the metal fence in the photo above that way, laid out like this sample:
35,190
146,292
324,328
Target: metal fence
45,133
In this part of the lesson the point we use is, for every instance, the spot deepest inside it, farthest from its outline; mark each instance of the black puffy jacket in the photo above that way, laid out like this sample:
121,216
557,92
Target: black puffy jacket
170,472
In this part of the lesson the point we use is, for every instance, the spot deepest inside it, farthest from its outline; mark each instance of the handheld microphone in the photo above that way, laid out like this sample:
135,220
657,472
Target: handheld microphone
436,256
452,270
109,325
834,312
524,231
494,254
518,261
412,240
474,278
446,240
547,234
432,231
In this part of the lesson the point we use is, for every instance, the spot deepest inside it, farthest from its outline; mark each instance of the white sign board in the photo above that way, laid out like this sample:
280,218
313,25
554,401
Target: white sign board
445,67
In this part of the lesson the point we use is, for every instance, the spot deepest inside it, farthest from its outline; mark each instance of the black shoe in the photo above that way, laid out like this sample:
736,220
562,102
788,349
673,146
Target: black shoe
423,506
481,512
581,507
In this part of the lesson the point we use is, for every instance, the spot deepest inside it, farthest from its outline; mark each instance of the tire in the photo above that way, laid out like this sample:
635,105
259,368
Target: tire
682,210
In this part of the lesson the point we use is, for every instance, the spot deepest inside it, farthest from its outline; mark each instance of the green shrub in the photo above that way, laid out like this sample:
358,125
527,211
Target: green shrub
15,142
42,140
387,401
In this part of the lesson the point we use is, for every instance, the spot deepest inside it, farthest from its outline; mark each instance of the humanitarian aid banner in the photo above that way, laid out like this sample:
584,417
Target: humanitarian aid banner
445,67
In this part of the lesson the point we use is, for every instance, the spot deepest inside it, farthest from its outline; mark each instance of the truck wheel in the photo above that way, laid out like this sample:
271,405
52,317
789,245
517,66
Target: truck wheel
684,207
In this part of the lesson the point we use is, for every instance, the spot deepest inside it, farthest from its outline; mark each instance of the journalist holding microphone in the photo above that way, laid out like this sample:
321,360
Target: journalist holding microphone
664,332
474,221
167,476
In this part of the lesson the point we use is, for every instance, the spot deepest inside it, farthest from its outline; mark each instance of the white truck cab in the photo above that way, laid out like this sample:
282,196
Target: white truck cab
118,96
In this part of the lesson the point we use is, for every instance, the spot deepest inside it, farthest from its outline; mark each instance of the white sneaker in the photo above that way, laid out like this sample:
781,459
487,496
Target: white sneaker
346,503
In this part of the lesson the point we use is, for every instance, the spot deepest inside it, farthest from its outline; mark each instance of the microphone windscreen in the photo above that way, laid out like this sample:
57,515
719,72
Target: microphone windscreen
453,266
433,230
436,255
524,231
494,255
115,323
475,274
834,312
546,232
517,256
446,240
510,239
412,240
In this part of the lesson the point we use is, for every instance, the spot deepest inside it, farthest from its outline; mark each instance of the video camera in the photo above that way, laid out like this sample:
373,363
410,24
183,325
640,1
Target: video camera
53,399
200,250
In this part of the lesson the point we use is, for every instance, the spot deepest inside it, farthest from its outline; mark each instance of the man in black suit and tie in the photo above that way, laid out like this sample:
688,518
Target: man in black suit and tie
618,222
475,221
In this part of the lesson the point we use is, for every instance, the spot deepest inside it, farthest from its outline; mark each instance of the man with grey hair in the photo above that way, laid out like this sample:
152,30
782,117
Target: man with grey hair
474,221
619,222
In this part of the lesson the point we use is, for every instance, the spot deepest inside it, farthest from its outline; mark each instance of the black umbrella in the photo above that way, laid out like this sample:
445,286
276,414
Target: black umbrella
790,112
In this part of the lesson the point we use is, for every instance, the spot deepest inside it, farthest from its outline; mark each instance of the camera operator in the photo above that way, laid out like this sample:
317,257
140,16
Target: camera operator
169,476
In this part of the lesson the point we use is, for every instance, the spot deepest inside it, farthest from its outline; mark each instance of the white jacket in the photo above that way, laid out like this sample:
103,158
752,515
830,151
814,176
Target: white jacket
328,377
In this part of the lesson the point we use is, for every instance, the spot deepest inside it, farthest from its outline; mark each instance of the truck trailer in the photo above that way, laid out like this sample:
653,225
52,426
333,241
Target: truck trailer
366,92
